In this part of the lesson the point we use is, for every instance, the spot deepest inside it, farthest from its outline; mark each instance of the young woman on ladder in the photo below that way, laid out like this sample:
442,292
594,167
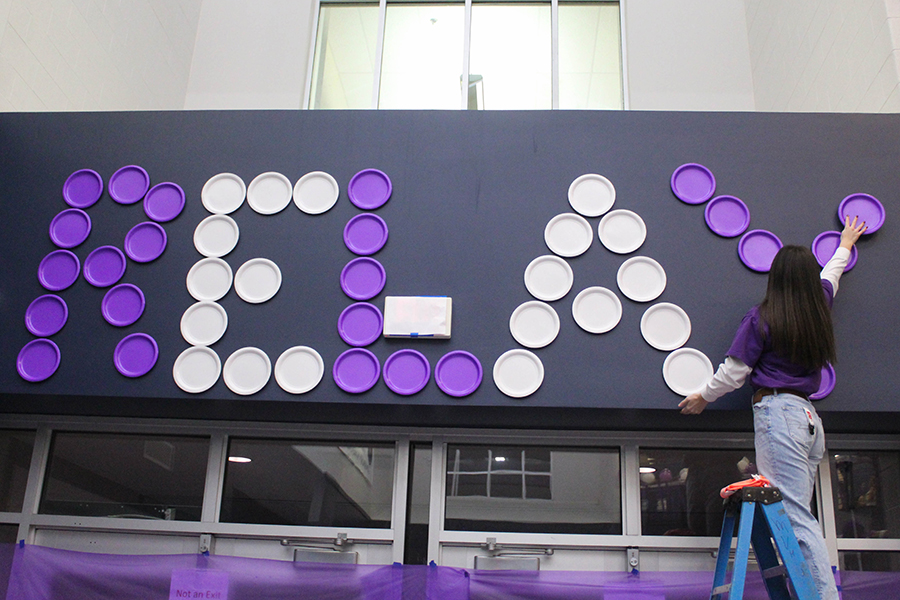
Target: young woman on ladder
781,346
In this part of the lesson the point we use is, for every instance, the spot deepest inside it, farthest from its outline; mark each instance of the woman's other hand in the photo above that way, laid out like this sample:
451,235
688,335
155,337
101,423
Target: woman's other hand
693,404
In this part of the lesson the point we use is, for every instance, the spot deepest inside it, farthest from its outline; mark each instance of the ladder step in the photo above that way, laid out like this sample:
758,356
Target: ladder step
774,572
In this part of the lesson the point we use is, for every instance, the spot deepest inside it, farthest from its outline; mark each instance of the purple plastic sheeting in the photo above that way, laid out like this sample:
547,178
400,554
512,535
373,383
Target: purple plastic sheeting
145,242
38,573
365,234
58,270
49,573
83,188
129,184
70,228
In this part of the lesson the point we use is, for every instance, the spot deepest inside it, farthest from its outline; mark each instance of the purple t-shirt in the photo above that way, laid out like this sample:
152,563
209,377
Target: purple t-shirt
769,369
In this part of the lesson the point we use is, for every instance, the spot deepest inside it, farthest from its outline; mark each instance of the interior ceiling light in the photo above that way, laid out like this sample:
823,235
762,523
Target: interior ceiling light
238,459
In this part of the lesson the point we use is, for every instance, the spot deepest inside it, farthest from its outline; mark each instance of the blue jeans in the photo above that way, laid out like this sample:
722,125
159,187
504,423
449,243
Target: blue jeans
787,454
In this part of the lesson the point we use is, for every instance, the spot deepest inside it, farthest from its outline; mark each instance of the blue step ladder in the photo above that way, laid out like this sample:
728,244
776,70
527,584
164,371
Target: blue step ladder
762,520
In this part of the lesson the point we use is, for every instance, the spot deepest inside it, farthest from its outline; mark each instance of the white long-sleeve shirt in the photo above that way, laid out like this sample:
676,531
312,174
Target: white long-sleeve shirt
732,373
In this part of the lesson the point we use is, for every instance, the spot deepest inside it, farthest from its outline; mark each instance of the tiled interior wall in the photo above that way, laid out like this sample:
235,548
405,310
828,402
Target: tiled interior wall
96,54
825,55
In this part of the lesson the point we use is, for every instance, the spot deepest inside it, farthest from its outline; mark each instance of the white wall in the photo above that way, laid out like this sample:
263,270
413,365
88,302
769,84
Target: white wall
825,55
803,55
95,54
687,55
251,54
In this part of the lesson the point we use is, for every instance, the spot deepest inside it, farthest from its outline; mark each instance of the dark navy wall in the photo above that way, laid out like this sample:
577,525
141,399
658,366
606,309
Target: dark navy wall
472,194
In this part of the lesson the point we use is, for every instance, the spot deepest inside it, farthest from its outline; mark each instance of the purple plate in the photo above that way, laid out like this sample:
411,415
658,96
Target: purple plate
145,242
129,184
826,243
46,315
363,278
360,324
864,206
104,266
458,373
693,183
758,248
356,370
123,304
369,189
365,234
135,355
727,216
70,228
38,360
83,188
406,372
59,270
827,384
164,202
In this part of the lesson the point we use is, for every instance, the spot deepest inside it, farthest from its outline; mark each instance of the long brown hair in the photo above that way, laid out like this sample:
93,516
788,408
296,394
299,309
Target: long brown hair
795,310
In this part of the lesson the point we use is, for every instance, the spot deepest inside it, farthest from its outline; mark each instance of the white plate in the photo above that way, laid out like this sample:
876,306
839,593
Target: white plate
209,279
548,278
216,236
596,309
223,193
592,195
641,279
622,231
686,371
518,373
299,369
269,193
315,193
534,324
204,323
666,326
257,280
568,235
247,371
197,369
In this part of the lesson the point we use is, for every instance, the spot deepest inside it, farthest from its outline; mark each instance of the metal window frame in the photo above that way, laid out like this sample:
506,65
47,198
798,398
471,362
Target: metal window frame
629,444
467,37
